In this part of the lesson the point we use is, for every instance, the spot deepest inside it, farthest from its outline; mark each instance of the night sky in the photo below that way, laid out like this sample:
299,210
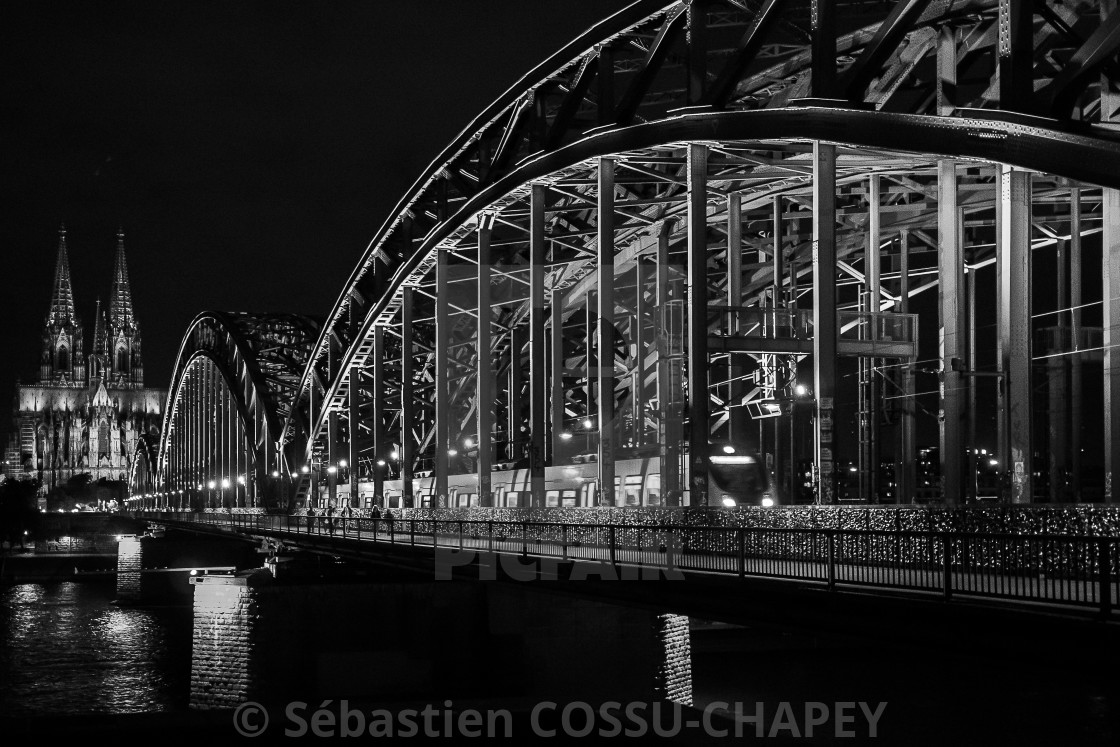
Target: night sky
250,151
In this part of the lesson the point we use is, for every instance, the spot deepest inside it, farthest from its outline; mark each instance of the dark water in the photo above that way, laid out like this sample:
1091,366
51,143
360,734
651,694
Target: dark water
67,650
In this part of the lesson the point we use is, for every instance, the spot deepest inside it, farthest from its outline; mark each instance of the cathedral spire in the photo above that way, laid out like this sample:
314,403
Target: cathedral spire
62,300
120,298
100,336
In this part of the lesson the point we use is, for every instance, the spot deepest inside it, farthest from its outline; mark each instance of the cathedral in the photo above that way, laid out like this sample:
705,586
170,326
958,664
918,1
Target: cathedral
87,411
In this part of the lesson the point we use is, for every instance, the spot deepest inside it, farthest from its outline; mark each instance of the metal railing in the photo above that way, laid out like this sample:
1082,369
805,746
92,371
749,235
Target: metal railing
1078,571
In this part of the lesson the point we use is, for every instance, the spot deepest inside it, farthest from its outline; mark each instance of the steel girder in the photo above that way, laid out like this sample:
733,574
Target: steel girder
745,81
260,358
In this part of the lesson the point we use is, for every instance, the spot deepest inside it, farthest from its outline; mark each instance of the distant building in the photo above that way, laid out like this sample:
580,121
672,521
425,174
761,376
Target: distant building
86,411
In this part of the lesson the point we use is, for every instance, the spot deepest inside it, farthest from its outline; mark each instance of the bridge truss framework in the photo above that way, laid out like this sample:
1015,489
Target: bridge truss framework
682,200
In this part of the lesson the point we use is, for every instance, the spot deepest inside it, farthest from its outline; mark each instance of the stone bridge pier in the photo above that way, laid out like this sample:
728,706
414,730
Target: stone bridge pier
155,566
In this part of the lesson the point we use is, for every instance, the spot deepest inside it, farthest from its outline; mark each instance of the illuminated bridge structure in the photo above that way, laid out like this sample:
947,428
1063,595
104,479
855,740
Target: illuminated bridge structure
231,384
718,220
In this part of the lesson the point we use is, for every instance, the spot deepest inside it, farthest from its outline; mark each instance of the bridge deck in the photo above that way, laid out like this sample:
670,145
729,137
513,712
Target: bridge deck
1066,571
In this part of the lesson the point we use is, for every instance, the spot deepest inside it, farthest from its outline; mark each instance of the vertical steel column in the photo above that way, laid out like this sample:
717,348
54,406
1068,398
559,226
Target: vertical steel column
971,486
1057,384
332,460
538,374
874,238
1013,226
1075,393
669,378
513,396
408,406
484,372
697,292
1015,50
377,428
697,50
950,303
822,25
638,382
1110,268
354,409
442,393
946,70
559,426
778,268
825,329
604,372
736,412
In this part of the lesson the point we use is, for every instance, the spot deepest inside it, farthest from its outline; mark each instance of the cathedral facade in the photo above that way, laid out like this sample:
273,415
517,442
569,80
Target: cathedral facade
87,411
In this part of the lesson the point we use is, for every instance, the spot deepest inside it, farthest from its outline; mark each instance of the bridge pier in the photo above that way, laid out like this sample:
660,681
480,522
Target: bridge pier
262,638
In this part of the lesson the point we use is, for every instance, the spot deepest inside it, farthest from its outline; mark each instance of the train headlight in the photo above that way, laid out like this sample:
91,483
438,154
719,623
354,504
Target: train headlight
728,502
767,502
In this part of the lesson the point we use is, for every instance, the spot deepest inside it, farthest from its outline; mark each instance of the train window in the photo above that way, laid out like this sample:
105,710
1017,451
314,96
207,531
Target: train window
653,490
569,498
425,500
511,498
552,498
632,492
472,499
588,491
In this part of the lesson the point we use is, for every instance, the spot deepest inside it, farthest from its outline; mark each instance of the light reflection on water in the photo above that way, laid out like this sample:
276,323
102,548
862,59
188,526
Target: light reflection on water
68,650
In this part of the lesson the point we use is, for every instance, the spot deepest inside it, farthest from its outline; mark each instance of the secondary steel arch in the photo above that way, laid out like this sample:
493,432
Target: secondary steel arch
245,365
657,74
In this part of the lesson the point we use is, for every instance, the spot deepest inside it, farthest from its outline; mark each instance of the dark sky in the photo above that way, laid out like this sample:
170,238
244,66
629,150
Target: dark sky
249,150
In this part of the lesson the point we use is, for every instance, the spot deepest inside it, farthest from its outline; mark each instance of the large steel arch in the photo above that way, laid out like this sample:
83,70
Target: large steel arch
234,378
888,89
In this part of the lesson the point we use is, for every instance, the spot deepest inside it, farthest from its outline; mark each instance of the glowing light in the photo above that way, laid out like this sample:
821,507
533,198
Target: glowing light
394,454
738,459
225,483
293,475
332,469
452,452
800,390
275,473
380,462
728,502
993,462
767,502
728,449
305,469
200,486
468,442
853,469
241,479
587,423
194,571
342,463
211,484
565,436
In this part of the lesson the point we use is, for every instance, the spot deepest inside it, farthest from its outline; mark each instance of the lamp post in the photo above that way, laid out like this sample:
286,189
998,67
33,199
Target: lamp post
800,393
306,470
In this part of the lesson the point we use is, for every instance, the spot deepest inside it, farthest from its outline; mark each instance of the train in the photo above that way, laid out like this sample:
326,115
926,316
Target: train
737,477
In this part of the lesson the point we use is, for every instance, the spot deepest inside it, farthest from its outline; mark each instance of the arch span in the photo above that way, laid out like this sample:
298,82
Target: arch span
233,380
734,99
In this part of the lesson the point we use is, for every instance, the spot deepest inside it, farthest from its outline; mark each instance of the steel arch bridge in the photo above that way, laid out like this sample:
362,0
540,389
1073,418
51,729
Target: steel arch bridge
743,198
233,380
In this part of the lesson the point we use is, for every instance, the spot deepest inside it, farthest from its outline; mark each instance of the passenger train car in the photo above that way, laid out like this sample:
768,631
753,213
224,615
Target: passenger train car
736,478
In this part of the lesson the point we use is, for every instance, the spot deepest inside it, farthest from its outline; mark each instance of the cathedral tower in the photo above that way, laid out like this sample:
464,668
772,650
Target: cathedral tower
62,361
122,330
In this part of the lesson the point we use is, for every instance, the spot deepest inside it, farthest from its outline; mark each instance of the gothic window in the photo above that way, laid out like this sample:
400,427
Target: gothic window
122,360
103,439
63,358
